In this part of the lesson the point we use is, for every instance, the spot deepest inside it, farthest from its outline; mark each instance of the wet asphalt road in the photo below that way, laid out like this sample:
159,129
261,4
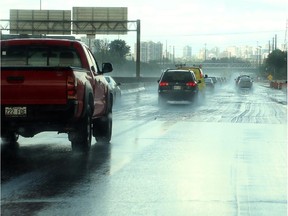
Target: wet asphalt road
226,155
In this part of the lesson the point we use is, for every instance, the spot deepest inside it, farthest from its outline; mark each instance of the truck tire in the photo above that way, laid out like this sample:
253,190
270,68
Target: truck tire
102,129
81,138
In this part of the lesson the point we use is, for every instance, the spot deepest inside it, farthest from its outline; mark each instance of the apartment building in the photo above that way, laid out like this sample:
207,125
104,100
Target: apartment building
150,51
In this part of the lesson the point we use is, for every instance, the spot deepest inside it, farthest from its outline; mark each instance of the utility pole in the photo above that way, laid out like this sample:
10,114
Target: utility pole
205,53
174,55
138,50
259,53
285,39
260,47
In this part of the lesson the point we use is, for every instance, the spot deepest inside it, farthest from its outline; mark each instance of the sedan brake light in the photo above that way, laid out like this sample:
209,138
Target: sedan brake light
163,84
191,84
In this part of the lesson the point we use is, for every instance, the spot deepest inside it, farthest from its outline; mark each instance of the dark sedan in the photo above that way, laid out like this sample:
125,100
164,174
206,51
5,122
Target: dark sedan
177,85
245,82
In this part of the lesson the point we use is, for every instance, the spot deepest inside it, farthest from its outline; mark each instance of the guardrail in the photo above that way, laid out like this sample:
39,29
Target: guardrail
135,80
133,84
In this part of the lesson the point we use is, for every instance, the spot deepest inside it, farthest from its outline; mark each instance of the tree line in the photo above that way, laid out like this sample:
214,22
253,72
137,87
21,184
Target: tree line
276,64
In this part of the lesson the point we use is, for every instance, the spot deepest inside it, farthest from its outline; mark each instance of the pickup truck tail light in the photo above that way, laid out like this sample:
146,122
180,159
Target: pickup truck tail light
71,87
201,75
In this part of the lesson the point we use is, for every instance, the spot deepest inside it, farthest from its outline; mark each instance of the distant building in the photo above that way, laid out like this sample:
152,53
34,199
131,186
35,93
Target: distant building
246,52
150,51
187,52
233,51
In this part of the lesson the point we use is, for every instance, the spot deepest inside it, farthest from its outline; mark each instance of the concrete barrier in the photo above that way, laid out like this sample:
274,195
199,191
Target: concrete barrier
278,84
133,84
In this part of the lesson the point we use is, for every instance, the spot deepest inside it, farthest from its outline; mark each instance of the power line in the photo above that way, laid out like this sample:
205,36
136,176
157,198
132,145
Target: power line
216,33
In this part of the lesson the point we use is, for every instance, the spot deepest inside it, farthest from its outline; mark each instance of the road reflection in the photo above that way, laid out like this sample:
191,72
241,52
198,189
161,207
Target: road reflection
60,170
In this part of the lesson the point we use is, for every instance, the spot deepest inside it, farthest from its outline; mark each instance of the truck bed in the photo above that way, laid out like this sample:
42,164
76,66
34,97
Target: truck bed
33,85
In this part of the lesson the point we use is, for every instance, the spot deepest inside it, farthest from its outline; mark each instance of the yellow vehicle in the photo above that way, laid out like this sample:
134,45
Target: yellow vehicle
198,73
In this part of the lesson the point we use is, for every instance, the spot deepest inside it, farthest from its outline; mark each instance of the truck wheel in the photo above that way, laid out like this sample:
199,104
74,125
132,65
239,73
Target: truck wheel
81,140
102,128
8,138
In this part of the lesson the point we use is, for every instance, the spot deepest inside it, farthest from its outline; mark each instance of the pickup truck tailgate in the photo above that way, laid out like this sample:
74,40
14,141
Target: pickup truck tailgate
37,85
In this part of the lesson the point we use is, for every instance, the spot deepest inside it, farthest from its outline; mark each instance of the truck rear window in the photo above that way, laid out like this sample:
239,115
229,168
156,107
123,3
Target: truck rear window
49,56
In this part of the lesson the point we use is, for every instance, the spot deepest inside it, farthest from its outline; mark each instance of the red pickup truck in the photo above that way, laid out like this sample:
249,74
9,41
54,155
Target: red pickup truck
54,85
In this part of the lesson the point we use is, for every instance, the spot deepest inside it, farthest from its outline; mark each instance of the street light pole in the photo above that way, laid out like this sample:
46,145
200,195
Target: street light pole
260,47
259,57
205,53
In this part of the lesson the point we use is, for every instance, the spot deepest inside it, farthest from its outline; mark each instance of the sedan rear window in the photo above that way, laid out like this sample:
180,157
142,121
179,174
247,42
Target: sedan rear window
177,77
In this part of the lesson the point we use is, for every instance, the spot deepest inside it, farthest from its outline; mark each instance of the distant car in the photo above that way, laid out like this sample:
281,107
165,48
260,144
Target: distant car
177,85
114,88
245,82
209,83
214,79
239,77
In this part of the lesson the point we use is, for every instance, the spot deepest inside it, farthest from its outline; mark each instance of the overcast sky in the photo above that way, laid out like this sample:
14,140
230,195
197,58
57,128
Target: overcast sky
187,22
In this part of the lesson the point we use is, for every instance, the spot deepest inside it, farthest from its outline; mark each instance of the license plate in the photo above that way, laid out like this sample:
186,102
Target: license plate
177,87
15,111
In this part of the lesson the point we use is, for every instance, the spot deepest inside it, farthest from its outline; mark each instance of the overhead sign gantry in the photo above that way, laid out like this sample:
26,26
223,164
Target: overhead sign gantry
86,20
40,22
100,20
